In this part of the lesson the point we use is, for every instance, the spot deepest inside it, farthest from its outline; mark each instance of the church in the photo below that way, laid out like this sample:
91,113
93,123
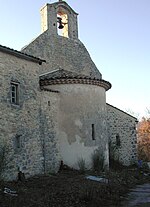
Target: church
53,103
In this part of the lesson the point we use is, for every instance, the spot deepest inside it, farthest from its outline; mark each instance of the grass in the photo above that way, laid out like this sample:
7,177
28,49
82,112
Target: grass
81,165
71,188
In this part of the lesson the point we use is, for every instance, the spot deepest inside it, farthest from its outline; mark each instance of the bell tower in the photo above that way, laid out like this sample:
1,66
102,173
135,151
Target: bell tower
59,19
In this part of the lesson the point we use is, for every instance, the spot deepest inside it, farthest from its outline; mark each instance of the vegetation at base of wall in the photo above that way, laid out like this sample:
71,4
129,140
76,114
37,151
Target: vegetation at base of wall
3,154
110,193
70,188
114,162
81,165
97,161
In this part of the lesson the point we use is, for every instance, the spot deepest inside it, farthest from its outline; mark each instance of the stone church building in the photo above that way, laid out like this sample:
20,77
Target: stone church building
53,102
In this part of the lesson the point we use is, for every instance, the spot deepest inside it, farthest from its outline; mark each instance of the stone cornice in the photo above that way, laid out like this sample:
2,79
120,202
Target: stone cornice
102,83
48,90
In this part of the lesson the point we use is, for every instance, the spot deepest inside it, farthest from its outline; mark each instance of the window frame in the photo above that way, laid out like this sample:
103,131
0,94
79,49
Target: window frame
15,93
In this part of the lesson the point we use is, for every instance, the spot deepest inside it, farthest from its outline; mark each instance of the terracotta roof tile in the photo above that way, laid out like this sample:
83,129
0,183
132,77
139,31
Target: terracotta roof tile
62,76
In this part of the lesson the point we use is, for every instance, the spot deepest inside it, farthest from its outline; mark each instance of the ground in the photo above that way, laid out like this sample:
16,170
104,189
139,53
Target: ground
70,188
138,196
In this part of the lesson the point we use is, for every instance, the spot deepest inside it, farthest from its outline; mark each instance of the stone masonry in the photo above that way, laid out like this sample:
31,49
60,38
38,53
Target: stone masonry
20,121
122,126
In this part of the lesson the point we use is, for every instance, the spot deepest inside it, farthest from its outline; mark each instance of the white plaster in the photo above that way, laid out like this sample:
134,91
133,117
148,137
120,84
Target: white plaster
78,123
71,153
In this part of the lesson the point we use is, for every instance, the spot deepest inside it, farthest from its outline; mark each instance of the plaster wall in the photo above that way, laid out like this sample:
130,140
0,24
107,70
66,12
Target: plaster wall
81,106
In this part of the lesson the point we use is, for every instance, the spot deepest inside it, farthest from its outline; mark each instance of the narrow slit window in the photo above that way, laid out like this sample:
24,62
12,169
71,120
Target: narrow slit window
118,142
18,142
93,132
14,93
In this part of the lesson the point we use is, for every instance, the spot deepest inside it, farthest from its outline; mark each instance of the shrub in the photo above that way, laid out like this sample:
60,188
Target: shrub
114,162
97,161
82,165
3,152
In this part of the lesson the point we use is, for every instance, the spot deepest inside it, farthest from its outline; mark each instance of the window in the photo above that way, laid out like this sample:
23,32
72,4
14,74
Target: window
14,93
93,132
118,143
17,142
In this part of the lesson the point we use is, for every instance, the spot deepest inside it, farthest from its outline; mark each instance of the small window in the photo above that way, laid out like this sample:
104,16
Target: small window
49,103
93,132
14,93
18,142
118,143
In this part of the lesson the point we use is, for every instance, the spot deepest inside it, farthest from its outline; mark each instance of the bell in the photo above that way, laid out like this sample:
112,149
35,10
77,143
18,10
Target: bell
60,23
60,26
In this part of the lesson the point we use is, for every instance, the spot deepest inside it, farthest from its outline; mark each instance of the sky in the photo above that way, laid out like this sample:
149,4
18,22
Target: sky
115,32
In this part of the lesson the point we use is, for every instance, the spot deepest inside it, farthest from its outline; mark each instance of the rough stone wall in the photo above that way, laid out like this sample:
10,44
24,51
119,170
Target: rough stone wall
61,52
122,125
20,120
49,131
81,106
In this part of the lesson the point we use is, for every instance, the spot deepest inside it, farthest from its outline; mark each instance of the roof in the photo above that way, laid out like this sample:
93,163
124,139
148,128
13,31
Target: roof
61,76
49,90
62,4
21,54
122,111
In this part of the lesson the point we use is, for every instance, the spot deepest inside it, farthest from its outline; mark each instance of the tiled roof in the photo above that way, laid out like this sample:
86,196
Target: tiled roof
49,90
61,73
122,111
62,76
21,54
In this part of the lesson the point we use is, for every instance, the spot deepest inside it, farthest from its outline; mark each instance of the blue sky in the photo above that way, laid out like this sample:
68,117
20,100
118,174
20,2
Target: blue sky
115,32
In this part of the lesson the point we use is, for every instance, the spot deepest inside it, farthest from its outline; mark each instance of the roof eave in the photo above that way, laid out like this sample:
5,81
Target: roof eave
21,55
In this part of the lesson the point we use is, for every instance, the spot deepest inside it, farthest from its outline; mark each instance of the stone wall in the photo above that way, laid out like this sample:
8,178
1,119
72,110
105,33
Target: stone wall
19,124
58,51
80,107
122,134
62,52
49,130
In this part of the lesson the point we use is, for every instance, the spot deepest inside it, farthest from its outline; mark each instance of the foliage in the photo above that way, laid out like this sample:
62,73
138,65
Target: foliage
3,153
144,139
82,165
114,162
97,161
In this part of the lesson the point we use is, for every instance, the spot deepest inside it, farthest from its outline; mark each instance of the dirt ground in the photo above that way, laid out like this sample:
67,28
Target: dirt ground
138,196
70,188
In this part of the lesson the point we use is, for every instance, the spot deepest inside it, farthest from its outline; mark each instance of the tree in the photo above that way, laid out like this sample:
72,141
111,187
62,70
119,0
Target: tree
144,138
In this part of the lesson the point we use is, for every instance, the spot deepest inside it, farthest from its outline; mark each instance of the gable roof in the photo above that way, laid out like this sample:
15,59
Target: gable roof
122,111
61,76
21,54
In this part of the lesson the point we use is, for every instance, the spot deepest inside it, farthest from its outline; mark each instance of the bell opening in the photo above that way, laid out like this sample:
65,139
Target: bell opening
62,24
